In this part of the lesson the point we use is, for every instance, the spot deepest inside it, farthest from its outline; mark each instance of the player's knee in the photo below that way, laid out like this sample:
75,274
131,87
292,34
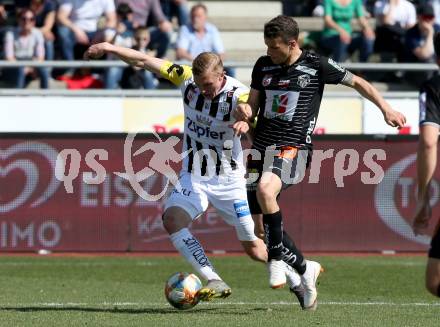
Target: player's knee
169,223
265,193
173,221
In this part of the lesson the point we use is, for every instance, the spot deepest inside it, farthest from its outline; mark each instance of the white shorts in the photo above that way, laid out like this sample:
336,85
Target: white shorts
228,196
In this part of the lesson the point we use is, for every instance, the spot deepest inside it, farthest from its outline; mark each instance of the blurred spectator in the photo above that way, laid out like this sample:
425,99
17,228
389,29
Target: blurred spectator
394,18
338,38
419,42
199,36
176,8
150,10
299,7
44,20
3,14
78,23
436,5
122,36
25,42
369,7
135,78
7,13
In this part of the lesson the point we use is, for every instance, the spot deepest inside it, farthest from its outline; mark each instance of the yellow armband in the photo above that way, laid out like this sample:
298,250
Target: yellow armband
177,74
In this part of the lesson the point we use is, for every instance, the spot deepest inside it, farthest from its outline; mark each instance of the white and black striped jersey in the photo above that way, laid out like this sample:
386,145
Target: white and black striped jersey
290,97
207,131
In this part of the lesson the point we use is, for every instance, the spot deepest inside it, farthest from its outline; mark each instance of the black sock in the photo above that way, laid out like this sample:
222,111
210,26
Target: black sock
292,255
273,230
438,291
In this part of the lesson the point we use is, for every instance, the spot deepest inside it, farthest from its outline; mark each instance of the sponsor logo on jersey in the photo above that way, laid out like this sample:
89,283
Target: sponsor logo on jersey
303,80
241,208
230,94
307,70
279,103
223,107
336,65
310,130
283,82
203,120
190,95
266,80
267,68
203,131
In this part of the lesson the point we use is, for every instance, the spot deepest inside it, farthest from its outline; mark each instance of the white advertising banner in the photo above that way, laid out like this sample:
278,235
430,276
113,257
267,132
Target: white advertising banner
340,116
162,115
61,114
57,114
373,122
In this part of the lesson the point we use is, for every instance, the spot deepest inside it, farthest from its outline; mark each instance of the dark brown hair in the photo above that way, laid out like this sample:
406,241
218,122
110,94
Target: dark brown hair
282,26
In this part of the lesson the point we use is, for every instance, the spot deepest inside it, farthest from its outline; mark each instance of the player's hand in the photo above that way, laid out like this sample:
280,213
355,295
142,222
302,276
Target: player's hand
240,128
242,112
395,118
96,51
422,216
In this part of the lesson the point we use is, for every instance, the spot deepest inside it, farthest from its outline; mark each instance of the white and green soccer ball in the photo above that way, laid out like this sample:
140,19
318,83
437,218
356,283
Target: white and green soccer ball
181,290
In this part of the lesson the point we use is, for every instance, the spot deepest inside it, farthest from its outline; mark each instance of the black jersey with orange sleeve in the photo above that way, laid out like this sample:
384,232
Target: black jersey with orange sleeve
290,97
429,102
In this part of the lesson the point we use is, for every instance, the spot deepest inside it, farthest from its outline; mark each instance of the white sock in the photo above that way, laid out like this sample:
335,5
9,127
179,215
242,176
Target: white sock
292,277
191,249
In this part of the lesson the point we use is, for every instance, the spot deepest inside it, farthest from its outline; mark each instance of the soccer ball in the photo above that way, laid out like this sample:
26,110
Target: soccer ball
181,290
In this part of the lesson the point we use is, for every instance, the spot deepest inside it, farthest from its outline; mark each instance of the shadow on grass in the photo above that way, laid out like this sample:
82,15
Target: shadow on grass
118,310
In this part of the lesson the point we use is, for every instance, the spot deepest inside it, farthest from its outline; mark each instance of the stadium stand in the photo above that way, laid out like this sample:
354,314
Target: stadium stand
240,24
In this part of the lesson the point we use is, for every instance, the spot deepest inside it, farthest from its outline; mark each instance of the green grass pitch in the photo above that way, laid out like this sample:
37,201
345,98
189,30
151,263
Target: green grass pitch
128,291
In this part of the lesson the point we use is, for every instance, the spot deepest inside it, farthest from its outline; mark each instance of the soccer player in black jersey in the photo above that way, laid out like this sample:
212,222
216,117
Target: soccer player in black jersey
286,92
426,163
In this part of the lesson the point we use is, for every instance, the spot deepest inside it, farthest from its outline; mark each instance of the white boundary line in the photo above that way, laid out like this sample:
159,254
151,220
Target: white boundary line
146,304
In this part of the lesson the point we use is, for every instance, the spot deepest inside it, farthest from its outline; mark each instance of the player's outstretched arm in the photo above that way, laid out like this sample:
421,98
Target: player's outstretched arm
368,91
426,163
130,56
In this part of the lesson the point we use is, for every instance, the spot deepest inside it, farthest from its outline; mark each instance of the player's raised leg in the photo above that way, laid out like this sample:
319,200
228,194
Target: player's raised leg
176,222
181,208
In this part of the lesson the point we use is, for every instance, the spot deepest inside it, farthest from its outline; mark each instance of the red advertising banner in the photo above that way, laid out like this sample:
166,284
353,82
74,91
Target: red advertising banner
357,196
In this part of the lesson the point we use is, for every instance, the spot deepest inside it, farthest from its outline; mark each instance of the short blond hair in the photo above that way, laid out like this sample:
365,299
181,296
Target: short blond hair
207,61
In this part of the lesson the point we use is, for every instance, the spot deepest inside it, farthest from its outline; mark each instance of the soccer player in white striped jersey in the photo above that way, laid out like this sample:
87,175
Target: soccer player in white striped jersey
213,171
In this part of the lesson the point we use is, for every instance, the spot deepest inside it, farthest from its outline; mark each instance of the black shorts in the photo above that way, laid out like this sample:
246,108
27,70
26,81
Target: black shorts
289,165
434,251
